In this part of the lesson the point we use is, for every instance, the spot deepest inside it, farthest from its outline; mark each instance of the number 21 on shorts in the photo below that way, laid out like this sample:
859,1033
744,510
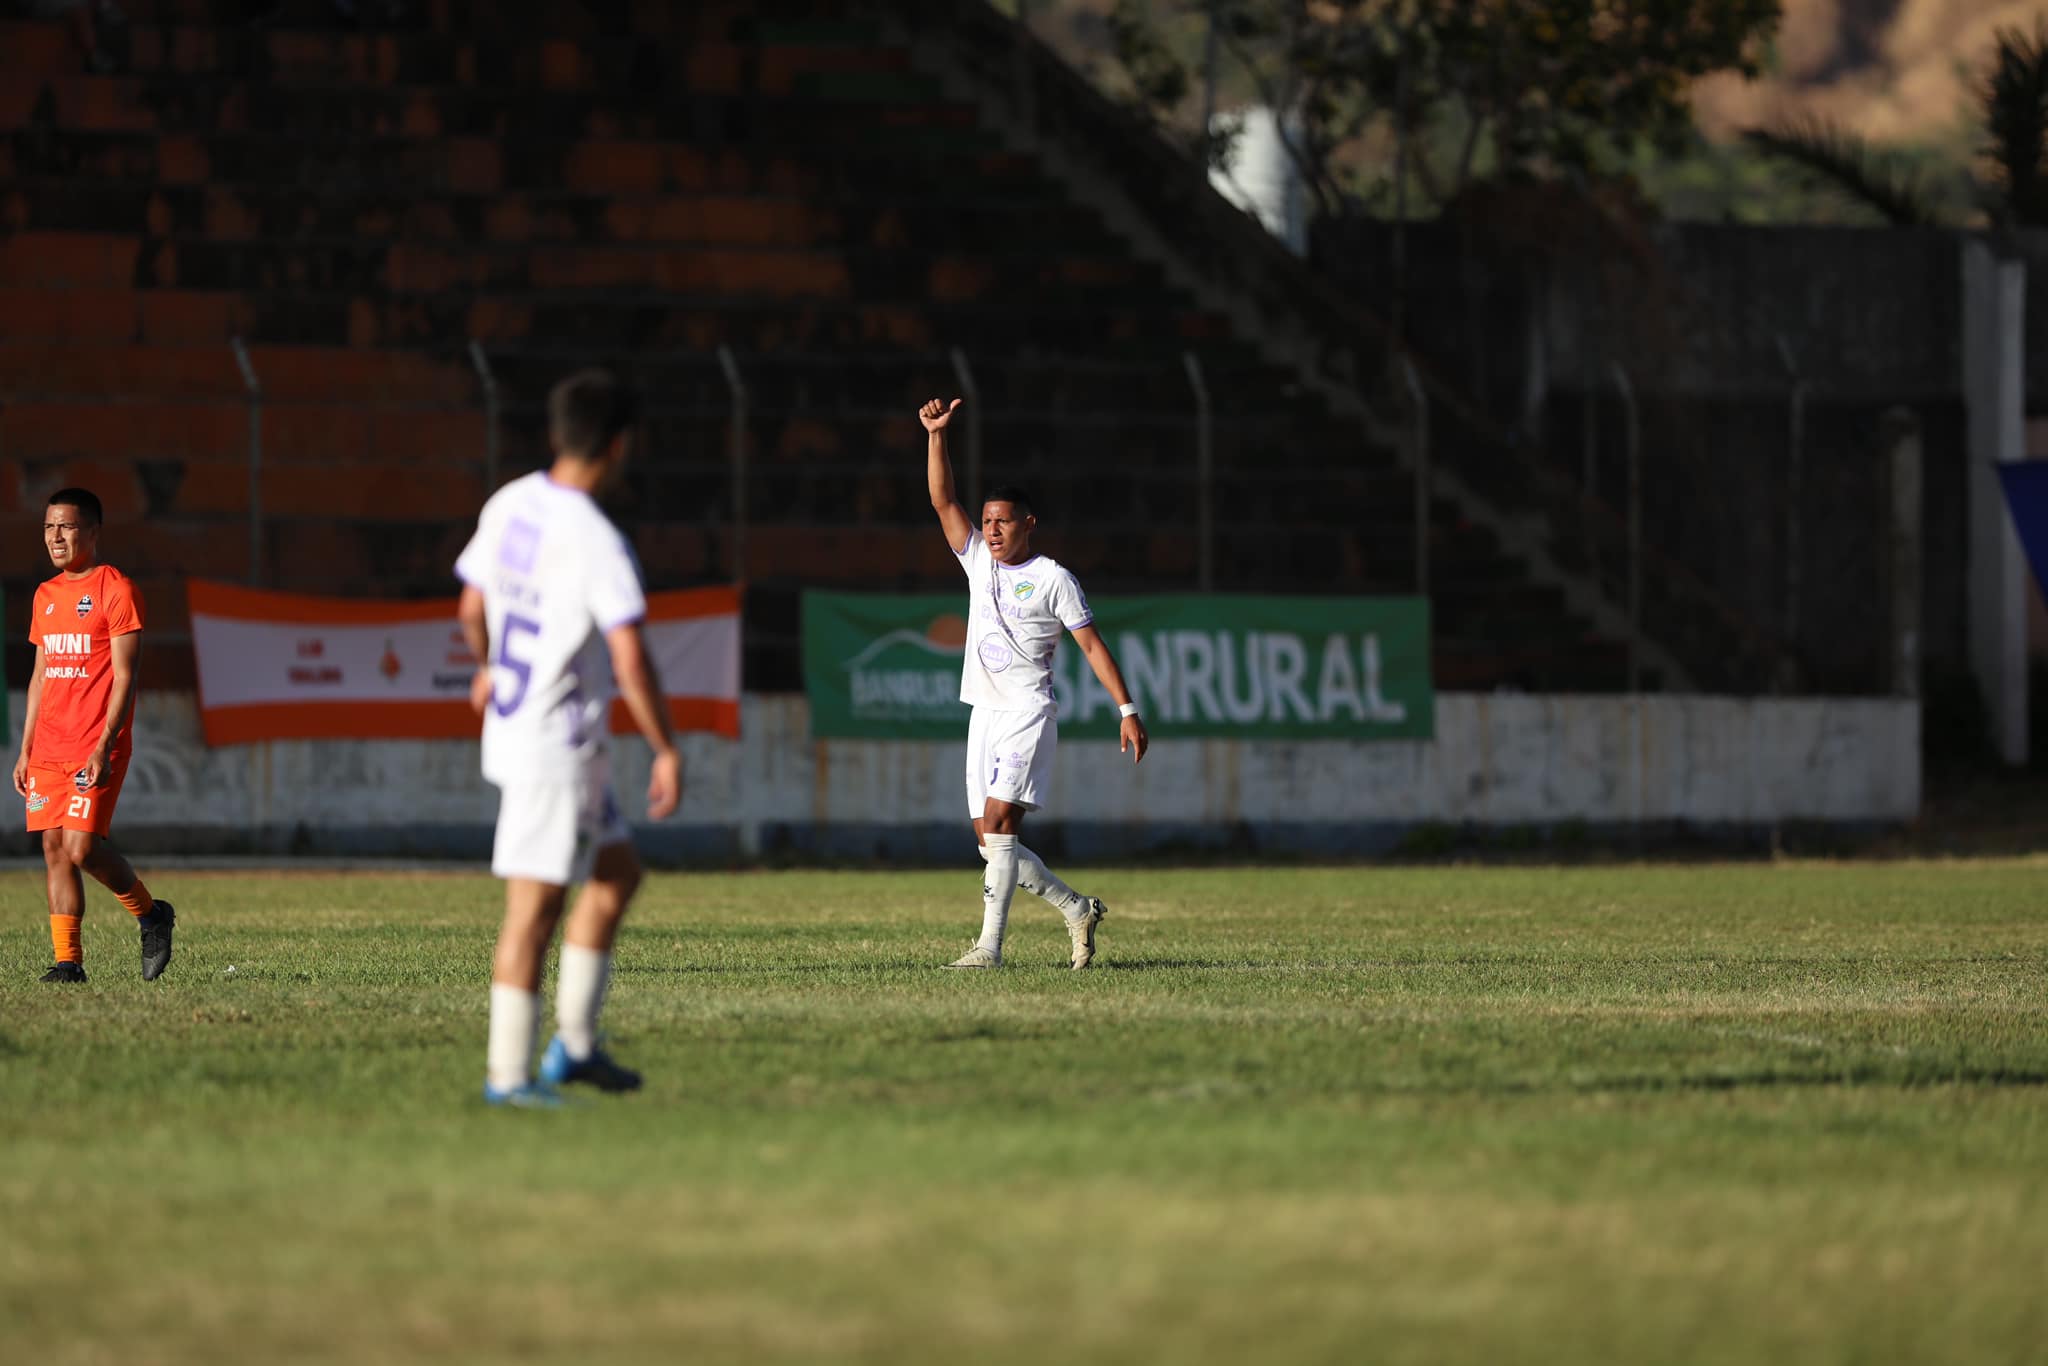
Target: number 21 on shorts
80,809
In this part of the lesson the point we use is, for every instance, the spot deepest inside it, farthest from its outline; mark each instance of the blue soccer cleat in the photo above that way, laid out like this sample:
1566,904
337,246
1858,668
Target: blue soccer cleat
557,1068
532,1096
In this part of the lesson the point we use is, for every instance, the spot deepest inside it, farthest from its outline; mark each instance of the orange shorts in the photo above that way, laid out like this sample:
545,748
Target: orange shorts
54,801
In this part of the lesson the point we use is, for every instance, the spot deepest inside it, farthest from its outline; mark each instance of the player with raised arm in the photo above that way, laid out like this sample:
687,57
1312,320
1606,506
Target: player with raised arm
1018,603
76,737
552,606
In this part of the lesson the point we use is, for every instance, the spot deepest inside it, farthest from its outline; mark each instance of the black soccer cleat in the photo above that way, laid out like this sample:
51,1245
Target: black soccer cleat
557,1068
64,972
156,939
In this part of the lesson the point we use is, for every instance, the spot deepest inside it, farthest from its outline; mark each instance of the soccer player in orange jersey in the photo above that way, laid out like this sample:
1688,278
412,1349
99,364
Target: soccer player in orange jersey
87,627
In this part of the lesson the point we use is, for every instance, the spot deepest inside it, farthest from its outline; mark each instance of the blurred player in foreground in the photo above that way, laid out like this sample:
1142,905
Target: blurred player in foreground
552,606
1017,604
75,739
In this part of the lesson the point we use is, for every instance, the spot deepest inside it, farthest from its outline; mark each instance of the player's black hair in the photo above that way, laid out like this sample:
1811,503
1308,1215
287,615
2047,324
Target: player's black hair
588,409
1011,494
84,500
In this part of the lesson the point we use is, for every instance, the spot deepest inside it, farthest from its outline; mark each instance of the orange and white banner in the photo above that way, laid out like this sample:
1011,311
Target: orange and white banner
282,666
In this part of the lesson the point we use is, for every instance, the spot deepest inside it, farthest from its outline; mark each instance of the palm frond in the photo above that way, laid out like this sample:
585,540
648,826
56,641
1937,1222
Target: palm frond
2014,98
1847,164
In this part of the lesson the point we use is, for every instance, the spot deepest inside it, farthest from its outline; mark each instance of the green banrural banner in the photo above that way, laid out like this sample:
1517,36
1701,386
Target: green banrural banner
887,666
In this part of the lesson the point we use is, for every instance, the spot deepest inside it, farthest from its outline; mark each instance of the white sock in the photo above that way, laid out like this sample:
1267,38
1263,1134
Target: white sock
998,886
1034,877
579,996
508,1059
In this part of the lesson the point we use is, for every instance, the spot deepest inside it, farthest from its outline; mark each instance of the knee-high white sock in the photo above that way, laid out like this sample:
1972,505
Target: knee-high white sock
998,885
579,996
1034,877
508,1058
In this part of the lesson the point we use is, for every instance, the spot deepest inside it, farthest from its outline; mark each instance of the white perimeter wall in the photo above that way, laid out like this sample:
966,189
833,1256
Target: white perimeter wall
1497,760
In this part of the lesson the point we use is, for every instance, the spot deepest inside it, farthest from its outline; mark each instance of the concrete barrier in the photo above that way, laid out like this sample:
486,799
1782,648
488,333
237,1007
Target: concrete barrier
1602,762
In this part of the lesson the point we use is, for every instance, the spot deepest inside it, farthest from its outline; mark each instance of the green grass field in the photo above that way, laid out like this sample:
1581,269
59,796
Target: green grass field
1791,1112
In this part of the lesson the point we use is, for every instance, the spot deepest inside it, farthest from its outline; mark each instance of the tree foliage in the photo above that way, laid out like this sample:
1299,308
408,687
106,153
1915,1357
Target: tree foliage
2012,104
2013,96
1468,87
1844,162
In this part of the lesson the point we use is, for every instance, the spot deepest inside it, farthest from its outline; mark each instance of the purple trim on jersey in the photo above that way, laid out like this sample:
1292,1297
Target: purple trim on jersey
469,579
1021,565
961,553
1079,624
629,619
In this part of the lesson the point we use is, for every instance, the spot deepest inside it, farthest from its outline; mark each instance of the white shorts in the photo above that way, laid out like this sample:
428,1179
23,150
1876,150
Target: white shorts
1009,757
550,830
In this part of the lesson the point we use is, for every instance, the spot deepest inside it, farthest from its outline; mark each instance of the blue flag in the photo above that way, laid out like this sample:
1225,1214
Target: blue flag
2026,493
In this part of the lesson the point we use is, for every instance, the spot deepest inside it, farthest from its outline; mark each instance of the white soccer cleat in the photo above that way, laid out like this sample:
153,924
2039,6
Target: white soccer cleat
977,957
1081,929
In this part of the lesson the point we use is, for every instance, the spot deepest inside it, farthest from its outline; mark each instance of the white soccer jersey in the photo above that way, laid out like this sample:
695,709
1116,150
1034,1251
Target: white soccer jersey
555,575
1015,615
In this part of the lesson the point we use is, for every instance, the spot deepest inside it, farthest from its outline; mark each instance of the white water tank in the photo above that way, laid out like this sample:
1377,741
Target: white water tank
1261,176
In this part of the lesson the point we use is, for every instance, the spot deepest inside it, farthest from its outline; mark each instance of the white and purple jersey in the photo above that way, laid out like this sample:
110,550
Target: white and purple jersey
1015,614
555,575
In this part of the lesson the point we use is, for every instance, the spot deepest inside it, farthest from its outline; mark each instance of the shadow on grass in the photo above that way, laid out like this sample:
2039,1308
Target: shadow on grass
865,969
922,965
1239,965
1908,1075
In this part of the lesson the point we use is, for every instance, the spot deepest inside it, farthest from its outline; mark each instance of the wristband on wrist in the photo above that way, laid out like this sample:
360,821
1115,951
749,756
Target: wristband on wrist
1127,709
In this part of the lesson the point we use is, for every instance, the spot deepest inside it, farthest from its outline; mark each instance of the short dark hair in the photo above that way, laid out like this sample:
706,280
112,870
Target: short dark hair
1011,494
87,503
588,410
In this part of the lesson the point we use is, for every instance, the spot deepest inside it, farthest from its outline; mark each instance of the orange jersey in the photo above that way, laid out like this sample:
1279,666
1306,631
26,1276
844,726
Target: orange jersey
75,622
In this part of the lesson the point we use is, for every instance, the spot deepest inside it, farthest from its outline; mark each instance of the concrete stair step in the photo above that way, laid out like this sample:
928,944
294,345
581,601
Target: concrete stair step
708,218
482,166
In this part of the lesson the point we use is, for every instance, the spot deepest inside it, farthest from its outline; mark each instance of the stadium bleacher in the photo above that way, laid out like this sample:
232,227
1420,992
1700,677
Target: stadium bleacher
648,184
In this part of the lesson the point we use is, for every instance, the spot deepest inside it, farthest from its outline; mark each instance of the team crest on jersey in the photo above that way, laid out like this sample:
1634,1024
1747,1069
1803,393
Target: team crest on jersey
1024,589
85,605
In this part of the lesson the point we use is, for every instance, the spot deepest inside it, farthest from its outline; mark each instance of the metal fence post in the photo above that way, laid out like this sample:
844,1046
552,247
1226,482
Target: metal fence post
1901,428
1021,75
489,381
1589,478
1419,456
1632,418
964,373
737,451
1211,46
1795,484
1205,475
255,388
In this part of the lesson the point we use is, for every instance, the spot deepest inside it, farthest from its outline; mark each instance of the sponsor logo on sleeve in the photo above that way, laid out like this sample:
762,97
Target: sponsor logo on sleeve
520,547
